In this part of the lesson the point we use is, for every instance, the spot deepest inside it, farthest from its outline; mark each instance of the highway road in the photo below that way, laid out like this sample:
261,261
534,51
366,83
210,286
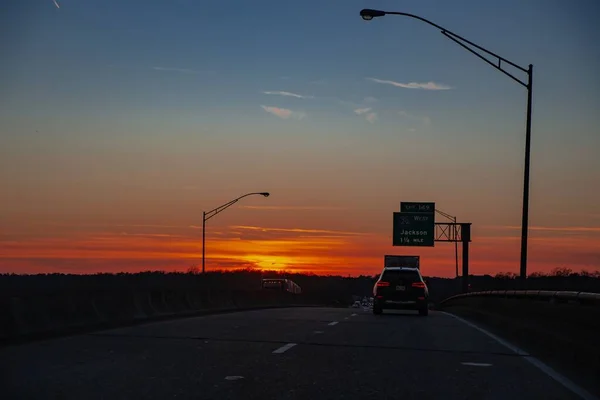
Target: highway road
294,353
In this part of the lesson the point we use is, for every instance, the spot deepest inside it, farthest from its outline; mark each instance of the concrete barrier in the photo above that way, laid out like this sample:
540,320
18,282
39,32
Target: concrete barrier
8,324
50,314
143,307
157,302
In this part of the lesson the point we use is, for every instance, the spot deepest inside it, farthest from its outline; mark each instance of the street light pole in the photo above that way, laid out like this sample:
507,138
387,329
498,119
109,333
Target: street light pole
369,14
206,215
525,221
203,239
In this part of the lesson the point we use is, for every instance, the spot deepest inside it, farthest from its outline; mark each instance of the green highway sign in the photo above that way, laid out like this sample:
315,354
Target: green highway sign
413,229
408,206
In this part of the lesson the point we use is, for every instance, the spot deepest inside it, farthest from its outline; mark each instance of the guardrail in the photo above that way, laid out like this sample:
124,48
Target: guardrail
548,295
560,327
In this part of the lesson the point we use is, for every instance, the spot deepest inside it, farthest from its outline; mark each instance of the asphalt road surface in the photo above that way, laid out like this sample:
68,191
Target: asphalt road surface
295,353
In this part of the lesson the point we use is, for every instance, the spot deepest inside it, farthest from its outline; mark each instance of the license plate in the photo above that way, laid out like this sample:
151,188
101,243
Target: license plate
400,288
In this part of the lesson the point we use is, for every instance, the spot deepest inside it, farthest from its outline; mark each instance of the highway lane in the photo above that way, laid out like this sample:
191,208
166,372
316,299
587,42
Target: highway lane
296,353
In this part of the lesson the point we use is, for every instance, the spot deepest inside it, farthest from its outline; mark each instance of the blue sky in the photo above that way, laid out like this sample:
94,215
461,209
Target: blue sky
120,110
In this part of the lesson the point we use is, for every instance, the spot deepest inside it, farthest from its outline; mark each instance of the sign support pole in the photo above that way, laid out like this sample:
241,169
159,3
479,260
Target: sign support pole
465,235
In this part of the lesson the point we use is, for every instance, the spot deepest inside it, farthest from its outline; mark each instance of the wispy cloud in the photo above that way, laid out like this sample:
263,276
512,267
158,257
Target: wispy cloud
552,228
288,94
370,99
56,3
371,117
294,208
152,235
284,113
581,215
297,230
360,111
413,85
107,226
180,70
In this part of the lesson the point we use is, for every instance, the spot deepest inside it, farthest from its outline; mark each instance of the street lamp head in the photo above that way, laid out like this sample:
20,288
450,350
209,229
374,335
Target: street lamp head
368,14
266,194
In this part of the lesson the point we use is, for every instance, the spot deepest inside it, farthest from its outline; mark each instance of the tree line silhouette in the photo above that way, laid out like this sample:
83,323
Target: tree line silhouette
328,288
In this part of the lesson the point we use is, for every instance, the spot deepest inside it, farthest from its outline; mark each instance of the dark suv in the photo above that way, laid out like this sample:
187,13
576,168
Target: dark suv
400,289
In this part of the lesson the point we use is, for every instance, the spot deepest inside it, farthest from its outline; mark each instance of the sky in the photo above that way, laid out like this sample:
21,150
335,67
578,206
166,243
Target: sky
121,122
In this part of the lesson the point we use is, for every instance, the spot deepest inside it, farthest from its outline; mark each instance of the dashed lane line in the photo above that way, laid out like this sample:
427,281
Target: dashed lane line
284,348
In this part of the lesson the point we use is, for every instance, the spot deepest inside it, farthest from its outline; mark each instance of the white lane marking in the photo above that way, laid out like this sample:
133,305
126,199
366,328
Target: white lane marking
474,364
332,323
233,377
563,380
354,315
345,317
283,349
317,332
503,342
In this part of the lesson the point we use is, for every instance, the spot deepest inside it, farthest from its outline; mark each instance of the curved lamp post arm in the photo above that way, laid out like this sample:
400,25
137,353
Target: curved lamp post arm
209,214
206,215
368,14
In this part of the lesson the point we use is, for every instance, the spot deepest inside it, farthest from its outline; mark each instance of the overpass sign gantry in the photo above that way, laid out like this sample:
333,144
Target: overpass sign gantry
415,225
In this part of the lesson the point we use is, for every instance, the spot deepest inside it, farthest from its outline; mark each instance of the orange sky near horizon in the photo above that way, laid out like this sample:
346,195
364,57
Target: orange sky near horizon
111,148
90,248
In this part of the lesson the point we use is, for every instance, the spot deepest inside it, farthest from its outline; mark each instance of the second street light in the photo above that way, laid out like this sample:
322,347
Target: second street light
206,215
368,14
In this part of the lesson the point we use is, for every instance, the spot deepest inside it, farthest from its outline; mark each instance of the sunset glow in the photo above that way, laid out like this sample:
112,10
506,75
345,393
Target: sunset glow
176,248
119,128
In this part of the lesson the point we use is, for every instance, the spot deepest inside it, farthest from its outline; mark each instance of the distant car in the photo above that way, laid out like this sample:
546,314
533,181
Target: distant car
401,288
281,285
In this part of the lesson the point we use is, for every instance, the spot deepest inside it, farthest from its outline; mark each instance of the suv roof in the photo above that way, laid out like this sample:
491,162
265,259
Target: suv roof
406,271
400,269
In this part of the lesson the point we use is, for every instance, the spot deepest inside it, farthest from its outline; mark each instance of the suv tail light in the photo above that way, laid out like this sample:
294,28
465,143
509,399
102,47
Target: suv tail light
418,285
383,284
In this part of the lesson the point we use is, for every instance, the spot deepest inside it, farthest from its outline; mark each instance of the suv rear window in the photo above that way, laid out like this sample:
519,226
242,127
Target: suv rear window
395,275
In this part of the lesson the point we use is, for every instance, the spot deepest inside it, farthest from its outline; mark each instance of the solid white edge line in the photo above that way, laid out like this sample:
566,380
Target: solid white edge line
563,380
284,348
503,342
332,323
